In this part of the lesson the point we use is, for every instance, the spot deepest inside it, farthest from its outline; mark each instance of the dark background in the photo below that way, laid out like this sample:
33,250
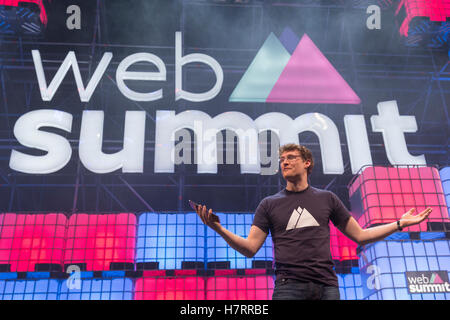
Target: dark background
376,64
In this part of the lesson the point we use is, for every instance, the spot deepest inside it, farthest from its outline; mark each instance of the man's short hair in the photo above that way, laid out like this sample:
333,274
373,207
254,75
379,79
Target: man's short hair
305,153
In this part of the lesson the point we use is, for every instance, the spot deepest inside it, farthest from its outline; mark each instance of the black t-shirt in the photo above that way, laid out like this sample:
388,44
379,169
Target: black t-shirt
299,224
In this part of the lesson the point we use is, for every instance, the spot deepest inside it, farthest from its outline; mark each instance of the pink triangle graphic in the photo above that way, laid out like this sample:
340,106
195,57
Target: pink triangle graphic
438,279
310,78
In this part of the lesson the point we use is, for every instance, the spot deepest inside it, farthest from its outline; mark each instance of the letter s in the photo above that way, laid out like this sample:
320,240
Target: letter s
26,131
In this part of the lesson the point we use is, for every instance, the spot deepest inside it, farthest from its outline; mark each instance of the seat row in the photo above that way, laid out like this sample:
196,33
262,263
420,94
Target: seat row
97,242
246,287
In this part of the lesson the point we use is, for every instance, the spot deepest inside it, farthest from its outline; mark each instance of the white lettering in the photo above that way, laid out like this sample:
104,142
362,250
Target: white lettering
288,130
47,93
26,131
180,61
167,123
251,138
357,141
393,126
130,158
205,129
122,74
426,287
321,125
412,280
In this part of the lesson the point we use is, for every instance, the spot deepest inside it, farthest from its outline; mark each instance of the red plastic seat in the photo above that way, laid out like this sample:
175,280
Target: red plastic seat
234,287
100,239
385,194
154,287
30,239
342,248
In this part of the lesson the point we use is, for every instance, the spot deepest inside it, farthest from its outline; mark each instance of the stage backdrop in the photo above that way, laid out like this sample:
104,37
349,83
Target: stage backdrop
111,106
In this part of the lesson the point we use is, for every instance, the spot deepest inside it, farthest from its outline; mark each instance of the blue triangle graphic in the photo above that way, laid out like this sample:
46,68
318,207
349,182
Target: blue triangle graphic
289,40
262,74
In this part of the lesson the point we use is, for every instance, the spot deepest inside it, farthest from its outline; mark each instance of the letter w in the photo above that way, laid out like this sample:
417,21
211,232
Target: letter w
412,280
47,93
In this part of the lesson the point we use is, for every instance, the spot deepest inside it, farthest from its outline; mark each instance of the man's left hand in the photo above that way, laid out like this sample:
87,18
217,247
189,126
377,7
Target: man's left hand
409,219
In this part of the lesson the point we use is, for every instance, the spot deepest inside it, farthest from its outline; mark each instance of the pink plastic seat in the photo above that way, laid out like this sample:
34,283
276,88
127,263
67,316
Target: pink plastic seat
182,286
30,239
98,240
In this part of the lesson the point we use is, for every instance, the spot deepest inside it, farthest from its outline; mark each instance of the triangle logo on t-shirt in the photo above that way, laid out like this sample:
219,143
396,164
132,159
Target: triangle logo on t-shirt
301,218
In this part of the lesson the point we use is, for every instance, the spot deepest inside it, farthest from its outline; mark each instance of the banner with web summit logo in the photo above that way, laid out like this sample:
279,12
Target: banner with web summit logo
427,282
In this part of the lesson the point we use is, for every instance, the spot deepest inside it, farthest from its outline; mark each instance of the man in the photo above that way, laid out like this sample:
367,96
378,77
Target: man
298,219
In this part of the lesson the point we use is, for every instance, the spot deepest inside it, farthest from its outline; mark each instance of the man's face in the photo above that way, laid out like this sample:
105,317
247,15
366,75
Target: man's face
292,165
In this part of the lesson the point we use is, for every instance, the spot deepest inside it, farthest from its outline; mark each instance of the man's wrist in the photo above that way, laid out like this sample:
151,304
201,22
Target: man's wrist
400,225
217,227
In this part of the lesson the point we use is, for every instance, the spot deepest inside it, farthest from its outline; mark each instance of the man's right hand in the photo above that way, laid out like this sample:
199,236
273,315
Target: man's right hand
208,217
248,247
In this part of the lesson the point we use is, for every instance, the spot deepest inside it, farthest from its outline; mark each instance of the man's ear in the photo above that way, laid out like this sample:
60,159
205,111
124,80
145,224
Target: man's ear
308,163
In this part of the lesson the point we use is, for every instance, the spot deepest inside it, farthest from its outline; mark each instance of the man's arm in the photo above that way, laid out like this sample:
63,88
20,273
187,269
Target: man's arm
248,247
364,236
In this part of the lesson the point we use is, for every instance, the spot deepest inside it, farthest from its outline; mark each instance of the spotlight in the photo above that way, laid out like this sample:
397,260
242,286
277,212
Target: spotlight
424,23
26,17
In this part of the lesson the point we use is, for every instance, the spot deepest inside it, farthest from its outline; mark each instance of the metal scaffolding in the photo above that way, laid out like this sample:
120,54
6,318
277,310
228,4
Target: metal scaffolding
375,63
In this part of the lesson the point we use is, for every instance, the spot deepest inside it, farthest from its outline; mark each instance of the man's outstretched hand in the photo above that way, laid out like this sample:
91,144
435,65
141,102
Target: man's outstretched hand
208,217
409,219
